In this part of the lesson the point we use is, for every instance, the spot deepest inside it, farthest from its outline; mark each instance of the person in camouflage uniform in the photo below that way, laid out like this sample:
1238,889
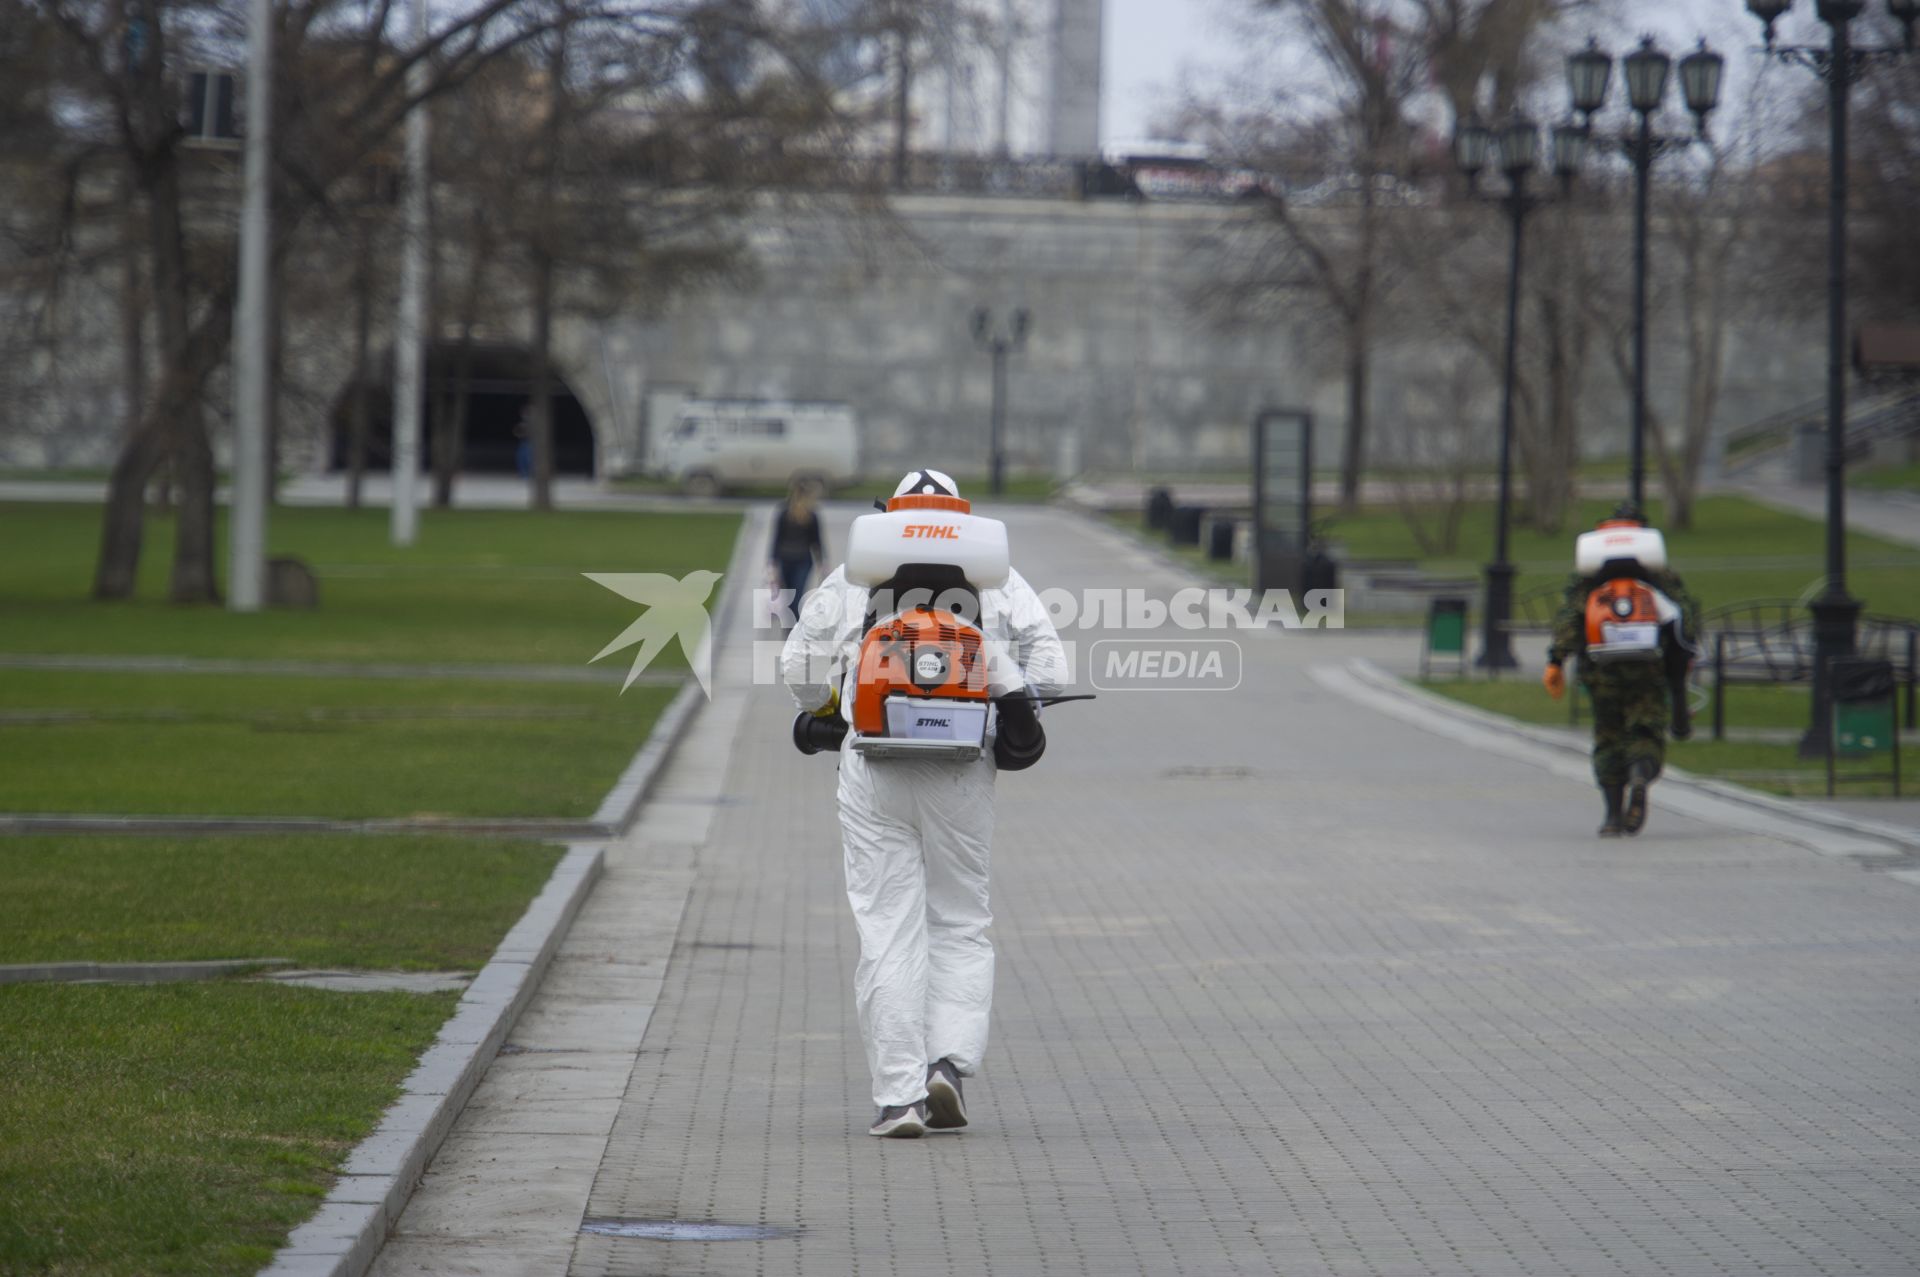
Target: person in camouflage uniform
1635,704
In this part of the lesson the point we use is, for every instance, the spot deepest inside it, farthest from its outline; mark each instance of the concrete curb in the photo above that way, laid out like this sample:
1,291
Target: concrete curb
132,972
378,1177
1813,824
345,1235
622,803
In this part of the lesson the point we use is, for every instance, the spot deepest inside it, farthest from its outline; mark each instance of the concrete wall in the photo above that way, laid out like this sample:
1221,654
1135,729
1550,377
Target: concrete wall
1117,370
1123,369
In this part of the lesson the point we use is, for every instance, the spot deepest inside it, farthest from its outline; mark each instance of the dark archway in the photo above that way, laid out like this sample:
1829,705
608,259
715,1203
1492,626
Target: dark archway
499,386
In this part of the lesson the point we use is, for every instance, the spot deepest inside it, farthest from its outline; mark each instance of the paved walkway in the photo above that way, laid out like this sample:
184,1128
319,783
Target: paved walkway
1286,985
1893,516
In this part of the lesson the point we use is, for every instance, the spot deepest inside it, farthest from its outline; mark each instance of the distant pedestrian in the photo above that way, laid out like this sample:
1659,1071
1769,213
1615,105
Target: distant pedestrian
797,544
523,444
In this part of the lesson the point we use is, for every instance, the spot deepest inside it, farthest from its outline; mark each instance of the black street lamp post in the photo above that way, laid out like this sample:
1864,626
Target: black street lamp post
1839,64
1646,72
1517,148
999,340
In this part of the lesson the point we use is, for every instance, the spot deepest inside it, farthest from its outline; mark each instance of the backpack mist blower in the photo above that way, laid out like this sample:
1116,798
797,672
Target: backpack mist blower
1628,620
923,669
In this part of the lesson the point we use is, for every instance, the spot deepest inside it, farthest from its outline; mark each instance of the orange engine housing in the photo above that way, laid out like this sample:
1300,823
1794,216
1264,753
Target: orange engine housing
1621,600
921,652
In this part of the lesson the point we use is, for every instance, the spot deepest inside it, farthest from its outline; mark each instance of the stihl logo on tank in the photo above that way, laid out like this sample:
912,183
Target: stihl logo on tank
931,531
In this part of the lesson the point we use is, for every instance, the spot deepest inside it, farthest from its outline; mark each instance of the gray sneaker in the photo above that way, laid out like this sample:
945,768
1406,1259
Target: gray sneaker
901,1121
946,1107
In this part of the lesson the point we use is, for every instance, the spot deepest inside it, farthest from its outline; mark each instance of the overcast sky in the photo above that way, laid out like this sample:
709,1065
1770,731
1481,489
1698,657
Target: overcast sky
1150,44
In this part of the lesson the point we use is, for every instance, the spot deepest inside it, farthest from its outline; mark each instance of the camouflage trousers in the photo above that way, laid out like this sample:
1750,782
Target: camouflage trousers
1630,716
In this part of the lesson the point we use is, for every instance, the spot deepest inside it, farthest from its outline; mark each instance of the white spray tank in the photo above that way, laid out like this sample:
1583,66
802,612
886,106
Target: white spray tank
879,545
1629,541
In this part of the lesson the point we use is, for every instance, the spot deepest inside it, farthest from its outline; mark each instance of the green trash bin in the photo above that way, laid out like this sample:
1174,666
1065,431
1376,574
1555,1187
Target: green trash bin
1866,717
1446,632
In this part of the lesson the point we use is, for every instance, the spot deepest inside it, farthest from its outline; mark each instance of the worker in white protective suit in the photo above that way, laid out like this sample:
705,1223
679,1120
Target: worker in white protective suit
917,835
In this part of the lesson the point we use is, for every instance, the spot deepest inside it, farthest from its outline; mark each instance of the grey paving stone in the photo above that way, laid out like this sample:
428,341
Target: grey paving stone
1379,1005
1286,984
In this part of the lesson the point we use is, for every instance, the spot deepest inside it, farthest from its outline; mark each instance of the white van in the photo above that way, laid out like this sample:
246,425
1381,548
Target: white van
716,443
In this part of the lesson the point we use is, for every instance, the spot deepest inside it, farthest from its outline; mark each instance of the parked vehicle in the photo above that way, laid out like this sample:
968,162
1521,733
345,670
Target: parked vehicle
718,443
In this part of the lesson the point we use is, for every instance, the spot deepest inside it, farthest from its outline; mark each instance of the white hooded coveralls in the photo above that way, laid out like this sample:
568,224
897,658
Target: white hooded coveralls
917,835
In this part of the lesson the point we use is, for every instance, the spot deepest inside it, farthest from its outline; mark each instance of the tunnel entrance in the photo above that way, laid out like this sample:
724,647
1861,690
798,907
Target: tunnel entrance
499,388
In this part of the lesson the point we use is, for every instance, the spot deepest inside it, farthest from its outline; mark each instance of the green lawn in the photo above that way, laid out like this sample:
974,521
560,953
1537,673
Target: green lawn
480,585
1904,478
496,587
1773,766
185,1129
422,903
258,745
1737,550
53,474
1523,698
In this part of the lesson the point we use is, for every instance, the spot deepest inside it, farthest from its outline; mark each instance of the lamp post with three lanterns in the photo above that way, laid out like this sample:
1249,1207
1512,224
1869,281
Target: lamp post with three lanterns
1515,147
1646,71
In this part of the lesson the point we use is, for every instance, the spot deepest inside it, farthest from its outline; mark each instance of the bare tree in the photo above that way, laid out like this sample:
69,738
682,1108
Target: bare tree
1350,139
1711,222
1886,154
129,56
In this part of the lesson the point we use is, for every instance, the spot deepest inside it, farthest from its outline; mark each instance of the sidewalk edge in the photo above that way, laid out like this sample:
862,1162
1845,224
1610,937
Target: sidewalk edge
1380,679
619,808
377,1178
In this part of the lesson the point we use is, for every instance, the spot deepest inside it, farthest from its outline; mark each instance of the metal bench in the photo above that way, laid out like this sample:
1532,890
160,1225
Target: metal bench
1770,641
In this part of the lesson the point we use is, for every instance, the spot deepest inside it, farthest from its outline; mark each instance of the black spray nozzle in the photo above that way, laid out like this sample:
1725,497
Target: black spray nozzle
1019,740
812,734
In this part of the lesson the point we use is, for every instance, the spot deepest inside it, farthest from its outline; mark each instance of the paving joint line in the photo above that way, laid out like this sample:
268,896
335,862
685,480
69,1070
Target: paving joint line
132,972
487,672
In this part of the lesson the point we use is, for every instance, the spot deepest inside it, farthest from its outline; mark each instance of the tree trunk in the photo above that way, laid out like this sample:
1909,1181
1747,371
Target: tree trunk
133,318
123,522
160,435
541,418
1353,457
1353,450
902,116
276,356
450,421
357,409
450,437
193,526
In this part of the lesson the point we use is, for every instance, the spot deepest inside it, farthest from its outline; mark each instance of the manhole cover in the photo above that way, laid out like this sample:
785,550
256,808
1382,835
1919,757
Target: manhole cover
677,1230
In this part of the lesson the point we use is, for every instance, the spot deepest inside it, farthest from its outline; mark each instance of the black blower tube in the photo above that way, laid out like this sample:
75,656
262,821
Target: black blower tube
1020,740
811,734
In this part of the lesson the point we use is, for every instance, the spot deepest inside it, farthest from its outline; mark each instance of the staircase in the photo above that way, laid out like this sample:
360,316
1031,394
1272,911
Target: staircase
1765,448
